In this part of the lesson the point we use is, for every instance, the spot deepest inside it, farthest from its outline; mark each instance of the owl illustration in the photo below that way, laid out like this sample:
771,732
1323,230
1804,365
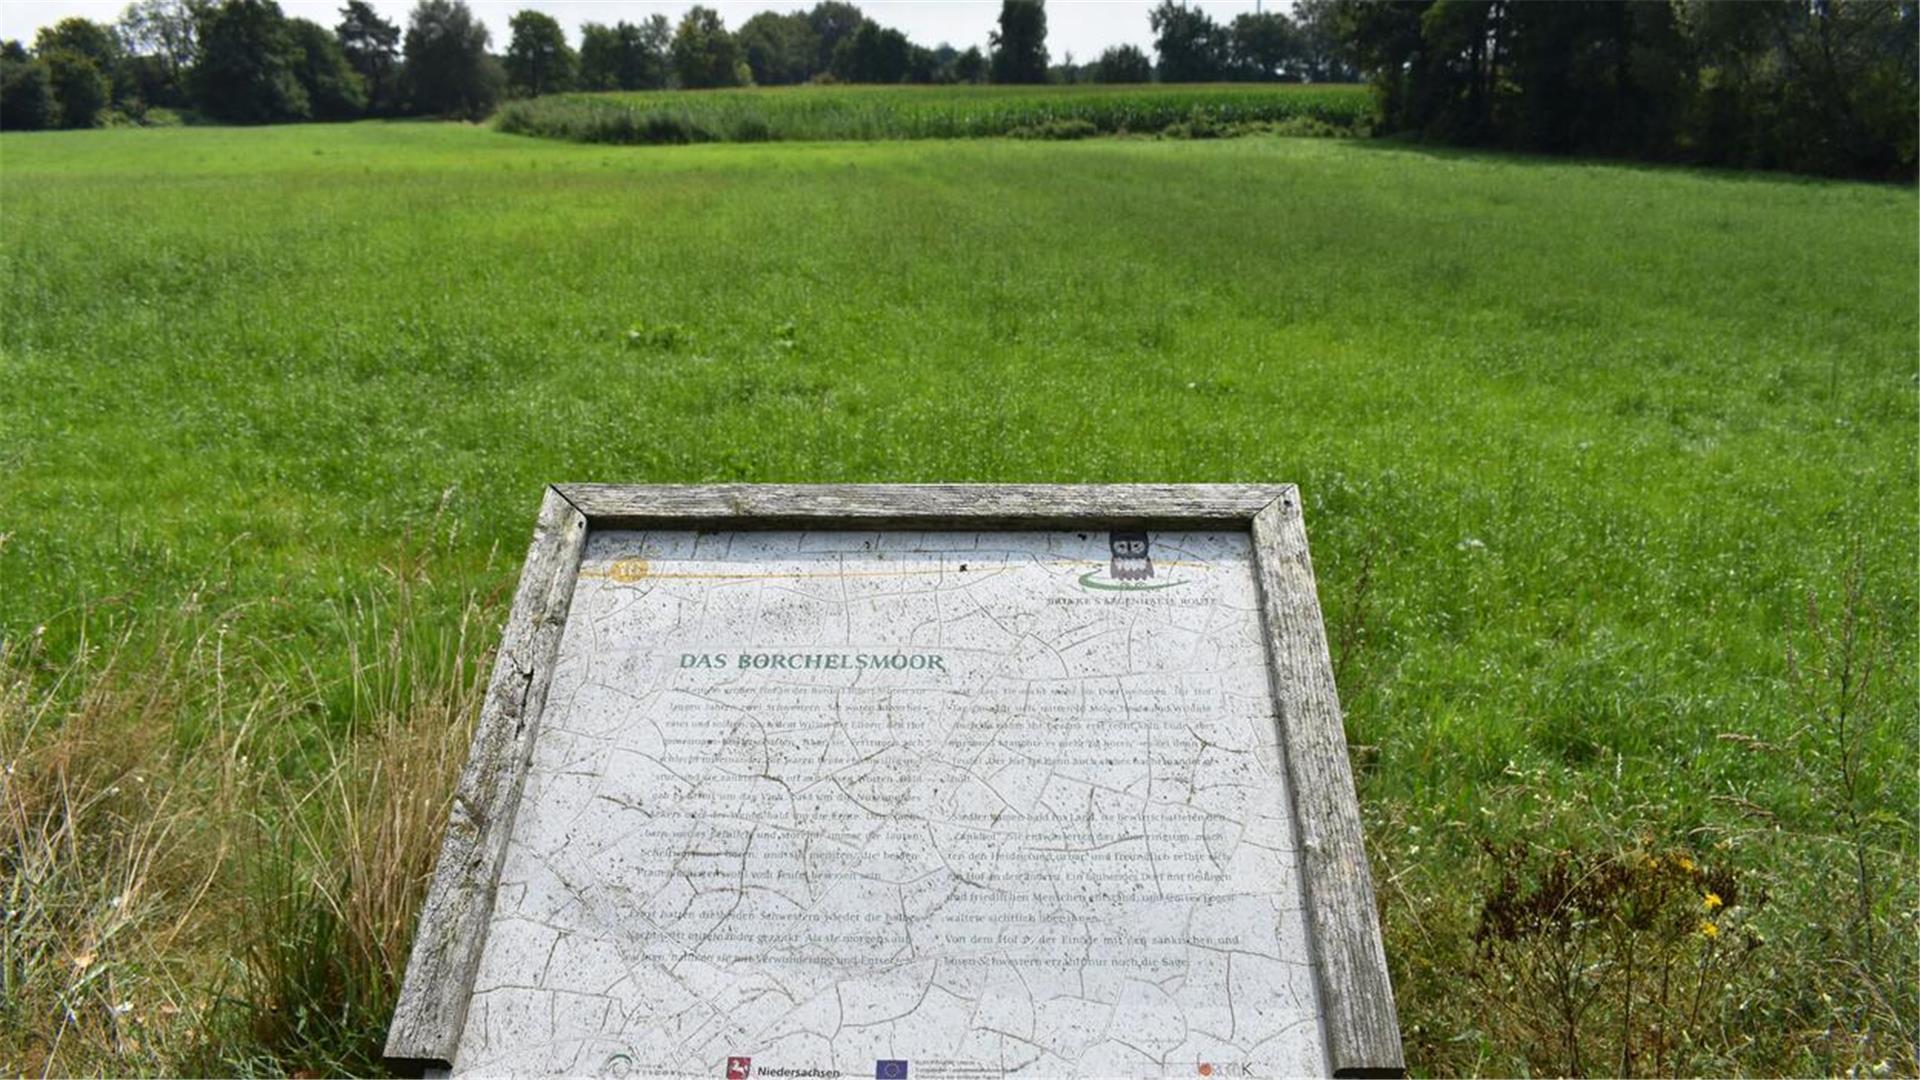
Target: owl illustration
1130,562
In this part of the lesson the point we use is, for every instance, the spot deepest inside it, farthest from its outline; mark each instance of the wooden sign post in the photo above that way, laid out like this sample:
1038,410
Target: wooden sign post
907,781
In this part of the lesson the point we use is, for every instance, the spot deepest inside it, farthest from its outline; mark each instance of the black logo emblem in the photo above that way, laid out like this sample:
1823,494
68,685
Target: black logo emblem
1130,561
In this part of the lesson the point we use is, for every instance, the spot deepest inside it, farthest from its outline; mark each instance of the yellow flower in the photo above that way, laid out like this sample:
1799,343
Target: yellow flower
1714,902
1708,929
1683,863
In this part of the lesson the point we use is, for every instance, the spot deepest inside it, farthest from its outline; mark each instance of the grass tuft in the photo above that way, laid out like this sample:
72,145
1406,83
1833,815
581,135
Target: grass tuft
109,841
183,893
334,881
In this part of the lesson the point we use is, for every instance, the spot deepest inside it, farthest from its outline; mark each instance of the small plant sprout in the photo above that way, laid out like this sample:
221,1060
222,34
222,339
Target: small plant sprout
663,337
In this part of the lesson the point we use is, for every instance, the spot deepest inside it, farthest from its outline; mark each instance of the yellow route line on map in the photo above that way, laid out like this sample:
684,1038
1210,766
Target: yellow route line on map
628,571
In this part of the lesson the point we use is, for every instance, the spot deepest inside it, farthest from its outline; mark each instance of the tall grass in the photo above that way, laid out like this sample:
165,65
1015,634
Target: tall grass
1784,935
109,840
864,113
184,891
335,880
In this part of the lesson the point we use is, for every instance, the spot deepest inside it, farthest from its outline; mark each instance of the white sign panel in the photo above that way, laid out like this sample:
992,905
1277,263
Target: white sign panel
916,804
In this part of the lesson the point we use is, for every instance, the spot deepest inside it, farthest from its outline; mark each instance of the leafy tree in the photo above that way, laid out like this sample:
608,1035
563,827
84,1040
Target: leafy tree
334,90
96,43
82,37
874,54
1123,64
244,74
1593,96
1828,87
1606,78
26,92
780,50
79,87
160,41
448,71
372,45
923,65
704,54
1810,86
539,61
1321,26
142,81
1020,44
1264,47
600,53
970,66
1464,43
625,56
832,22
1384,42
1192,47
12,50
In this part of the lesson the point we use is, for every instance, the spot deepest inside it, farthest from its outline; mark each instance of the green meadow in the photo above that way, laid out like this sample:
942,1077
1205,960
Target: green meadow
1609,472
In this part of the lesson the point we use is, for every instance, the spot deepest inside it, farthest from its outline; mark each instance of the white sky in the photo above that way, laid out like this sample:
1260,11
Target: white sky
1084,27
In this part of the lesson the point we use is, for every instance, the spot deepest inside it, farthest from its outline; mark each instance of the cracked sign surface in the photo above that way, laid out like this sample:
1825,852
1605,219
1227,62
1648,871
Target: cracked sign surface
918,804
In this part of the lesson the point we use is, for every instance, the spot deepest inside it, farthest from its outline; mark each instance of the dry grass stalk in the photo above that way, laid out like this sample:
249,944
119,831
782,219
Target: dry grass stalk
185,888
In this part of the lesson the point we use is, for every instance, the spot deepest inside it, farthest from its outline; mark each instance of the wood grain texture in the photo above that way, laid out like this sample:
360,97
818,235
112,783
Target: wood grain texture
1356,995
922,506
453,920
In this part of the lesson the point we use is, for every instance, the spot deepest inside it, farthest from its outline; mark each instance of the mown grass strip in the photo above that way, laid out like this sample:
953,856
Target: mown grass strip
869,113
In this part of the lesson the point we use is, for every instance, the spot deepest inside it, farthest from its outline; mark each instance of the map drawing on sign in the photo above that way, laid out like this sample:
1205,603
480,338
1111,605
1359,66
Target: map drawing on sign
903,804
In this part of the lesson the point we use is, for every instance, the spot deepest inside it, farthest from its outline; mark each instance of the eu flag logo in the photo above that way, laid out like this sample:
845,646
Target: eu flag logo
889,1070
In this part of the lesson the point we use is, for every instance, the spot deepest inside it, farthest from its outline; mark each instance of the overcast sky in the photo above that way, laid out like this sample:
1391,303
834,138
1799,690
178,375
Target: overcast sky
1083,27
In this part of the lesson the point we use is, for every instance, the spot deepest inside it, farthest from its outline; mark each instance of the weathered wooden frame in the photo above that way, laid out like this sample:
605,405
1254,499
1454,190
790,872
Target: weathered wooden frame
1361,1026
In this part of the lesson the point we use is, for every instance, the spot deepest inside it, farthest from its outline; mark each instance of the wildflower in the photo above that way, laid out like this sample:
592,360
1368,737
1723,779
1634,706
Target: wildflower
1708,929
1684,863
1714,902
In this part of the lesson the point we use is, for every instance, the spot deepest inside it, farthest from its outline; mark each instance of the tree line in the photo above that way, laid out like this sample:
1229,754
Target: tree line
1824,86
244,61
1819,86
